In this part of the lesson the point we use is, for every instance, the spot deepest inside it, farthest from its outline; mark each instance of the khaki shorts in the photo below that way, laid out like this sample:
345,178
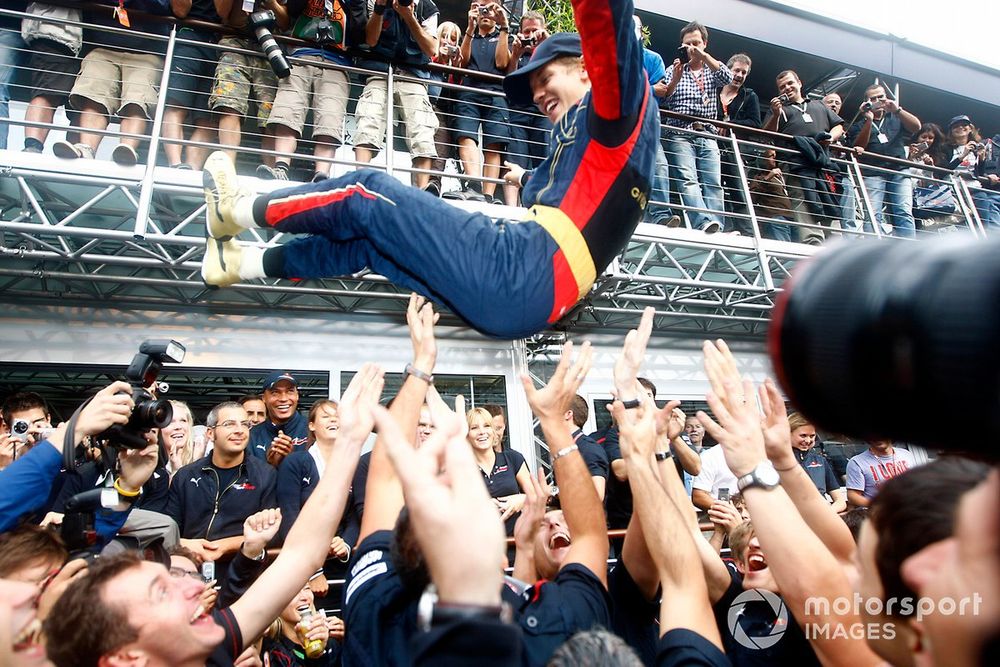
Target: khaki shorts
236,75
414,107
328,89
115,79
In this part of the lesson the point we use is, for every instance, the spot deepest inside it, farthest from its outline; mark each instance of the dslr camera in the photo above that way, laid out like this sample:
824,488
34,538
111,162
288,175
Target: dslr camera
261,23
150,411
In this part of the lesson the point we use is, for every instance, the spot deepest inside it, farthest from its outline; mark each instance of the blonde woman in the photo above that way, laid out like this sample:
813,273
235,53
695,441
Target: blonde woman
505,473
178,438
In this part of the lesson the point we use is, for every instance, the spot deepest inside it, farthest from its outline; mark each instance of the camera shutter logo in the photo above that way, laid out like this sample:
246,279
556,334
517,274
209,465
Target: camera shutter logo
777,630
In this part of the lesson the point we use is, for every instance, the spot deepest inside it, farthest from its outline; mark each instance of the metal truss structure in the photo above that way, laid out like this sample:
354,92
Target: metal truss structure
93,233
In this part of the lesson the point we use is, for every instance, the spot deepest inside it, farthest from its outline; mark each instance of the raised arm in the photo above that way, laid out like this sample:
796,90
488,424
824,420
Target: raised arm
802,566
581,506
817,513
383,495
309,539
685,603
612,56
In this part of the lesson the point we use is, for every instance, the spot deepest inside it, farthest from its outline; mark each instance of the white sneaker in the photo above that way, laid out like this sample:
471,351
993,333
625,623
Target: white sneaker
124,155
220,266
68,151
221,194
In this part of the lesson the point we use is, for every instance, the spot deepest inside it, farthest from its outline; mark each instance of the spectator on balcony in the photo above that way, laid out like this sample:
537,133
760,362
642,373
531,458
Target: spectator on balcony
962,148
885,129
406,37
13,52
485,48
238,74
693,87
443,102
318,84
870,469
658,211
834,102
769,194
120,78
529,130
192,71
53,63
849,215
792,114
928,146
738,103
987,197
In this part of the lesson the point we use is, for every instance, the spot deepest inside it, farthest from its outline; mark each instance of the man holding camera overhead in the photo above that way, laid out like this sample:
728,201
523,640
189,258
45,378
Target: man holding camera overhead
693,85
885,130
328,26
403,34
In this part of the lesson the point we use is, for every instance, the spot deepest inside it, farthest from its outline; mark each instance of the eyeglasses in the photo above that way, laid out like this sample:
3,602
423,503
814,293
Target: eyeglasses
232,423
180,573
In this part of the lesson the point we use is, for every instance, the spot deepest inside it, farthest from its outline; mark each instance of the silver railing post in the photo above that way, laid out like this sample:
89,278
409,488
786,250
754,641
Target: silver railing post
146,185
866,201
389,139
741,171
968,206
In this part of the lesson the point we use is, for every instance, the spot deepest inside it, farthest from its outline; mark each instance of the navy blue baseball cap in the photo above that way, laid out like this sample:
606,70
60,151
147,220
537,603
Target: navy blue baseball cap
959,120
276,377
517,84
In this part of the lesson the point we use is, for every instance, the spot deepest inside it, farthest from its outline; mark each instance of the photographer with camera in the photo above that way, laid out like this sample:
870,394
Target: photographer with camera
813,200
693,85
27,482
403,33
27,417
885,130
238,74
330,27
485,48
529,130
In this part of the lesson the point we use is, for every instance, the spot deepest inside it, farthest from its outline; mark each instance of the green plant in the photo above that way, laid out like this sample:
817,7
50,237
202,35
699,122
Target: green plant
559,16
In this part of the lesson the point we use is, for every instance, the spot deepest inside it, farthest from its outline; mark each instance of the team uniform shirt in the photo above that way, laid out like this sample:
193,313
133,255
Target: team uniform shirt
381,615
261,435
697,95
867,471
805,119
550,612
715,474
633,617
482,58
225,654
204,506
359,483
754,619
297,478
818,468
681,647
618,493
502,480
592,453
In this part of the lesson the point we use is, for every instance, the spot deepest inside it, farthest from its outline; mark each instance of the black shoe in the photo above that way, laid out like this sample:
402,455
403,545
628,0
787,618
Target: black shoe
317,177
433,188
277,173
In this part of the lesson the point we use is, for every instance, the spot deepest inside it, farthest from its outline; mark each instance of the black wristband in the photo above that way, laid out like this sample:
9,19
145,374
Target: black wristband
631,405
663,456
379,9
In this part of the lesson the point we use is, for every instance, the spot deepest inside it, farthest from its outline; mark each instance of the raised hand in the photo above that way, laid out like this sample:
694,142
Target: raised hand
774,426
137,466
632,356
259,529
731,399
357,401
636,427
551,401
421,318
453,517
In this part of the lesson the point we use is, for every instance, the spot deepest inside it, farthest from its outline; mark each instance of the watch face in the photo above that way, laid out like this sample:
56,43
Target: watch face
767,475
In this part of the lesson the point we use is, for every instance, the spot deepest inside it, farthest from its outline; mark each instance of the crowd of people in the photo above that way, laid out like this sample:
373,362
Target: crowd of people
222,551
798,192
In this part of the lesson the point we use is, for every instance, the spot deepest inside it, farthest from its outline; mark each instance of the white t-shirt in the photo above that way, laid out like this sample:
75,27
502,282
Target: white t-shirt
715,474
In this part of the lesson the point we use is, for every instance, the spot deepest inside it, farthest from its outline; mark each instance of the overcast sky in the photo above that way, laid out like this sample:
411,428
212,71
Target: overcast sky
965,28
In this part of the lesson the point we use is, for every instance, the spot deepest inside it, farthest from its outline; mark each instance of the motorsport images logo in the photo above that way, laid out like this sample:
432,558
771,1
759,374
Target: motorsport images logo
777,629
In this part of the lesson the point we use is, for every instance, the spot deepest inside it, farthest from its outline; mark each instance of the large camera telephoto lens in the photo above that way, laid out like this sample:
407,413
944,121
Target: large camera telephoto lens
878,340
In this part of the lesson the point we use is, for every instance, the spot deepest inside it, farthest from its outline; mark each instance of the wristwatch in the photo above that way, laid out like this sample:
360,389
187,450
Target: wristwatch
430,612
763,476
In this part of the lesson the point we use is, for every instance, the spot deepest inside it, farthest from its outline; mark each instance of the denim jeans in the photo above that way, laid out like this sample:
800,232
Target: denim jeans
660,212
849,204
895,192
988,206
12,51
776,230
696,170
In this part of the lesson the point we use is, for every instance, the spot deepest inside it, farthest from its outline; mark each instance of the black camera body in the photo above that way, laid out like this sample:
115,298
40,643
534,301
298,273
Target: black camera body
784,98
682,54
484,10
261,23
150,411
530,42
